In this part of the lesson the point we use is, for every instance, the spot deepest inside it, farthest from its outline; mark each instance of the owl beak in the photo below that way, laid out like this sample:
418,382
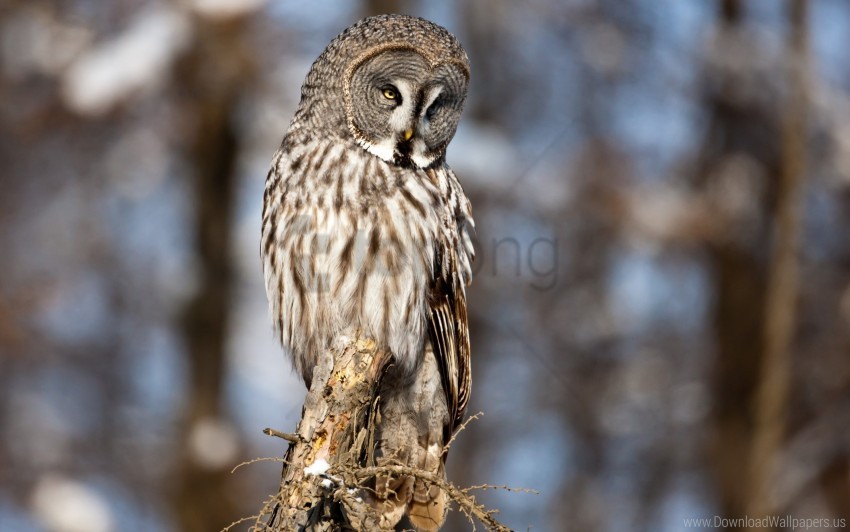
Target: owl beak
407,134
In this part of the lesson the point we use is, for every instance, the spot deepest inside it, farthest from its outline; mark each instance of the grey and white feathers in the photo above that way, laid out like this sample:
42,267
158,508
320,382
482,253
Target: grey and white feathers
365,228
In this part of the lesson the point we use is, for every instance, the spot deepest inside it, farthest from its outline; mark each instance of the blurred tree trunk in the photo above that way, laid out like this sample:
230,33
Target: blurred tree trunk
739,129
210,79
380,7
488,53
771,401
577,507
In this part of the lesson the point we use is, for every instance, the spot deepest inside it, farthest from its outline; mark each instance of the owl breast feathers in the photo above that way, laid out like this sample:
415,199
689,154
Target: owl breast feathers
365,228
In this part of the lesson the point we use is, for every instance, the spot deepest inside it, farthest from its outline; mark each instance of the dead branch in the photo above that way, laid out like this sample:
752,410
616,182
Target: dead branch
291,438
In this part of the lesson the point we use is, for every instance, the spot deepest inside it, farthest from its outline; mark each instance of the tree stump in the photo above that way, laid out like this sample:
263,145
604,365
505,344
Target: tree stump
330,464
334,434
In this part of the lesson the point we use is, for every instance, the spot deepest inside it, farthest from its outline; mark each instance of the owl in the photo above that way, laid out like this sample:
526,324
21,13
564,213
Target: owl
366,229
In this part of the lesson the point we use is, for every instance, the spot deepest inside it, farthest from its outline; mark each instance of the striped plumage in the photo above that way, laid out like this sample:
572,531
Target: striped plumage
365,228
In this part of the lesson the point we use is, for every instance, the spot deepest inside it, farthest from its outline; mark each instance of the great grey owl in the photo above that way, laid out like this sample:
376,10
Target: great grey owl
366,228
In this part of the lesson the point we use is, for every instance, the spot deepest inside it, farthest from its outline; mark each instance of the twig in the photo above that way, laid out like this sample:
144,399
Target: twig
462,426
239,521
291,438
500,487
255,460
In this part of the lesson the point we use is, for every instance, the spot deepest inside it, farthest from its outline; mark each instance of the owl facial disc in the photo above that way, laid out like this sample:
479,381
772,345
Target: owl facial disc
403,109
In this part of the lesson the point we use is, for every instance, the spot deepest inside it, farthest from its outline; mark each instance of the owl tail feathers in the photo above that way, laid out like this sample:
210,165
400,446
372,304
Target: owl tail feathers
410,503
428,505
430,513
391,496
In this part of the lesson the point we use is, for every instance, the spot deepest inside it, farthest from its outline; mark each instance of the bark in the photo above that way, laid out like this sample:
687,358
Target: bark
335,427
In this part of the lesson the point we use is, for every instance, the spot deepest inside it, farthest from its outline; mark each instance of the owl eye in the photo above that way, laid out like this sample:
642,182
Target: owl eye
390,93
432,110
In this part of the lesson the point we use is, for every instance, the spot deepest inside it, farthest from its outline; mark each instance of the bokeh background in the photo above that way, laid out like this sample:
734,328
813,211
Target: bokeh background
661,309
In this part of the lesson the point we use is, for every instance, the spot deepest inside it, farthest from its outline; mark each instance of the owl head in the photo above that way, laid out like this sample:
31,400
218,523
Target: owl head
395,84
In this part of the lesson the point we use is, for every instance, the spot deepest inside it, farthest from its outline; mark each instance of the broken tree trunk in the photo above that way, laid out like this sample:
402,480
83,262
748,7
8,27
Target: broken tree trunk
329,465
334,435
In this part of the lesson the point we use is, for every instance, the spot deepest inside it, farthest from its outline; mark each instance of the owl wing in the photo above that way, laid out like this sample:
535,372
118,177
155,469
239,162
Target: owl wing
449,333
448,323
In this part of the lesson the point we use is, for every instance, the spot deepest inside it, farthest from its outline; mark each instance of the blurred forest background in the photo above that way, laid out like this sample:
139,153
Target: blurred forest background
661,313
